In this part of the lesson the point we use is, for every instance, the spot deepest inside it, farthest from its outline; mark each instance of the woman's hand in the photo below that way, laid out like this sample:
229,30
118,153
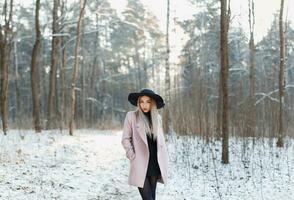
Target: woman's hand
130,154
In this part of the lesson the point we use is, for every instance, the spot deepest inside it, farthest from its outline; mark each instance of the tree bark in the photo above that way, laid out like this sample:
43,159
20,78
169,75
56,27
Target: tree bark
280,142
251,116
52,107
224,80
83,113
35,72
63,99
167,124
75,68
63,108
5,49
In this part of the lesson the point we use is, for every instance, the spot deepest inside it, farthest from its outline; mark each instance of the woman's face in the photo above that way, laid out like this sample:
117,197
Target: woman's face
145,103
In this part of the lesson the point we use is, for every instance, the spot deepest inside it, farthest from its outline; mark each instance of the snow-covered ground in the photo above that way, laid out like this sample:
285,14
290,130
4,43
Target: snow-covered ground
91,165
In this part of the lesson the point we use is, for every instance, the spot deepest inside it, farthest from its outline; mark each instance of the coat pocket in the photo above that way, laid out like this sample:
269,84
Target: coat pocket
130,154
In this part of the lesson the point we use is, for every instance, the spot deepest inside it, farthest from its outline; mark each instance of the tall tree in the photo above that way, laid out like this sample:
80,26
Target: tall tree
280,142
251,116
63,118
167,115
75,67
52,104
35,71
6,37
224,23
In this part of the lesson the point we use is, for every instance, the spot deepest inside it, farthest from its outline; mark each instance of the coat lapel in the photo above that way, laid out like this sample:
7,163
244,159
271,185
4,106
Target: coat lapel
141,131
139,126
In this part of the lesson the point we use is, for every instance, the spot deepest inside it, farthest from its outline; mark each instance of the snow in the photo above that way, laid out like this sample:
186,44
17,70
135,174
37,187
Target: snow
91,165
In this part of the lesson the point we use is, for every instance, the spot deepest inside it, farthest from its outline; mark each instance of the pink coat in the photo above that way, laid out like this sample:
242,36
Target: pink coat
134,142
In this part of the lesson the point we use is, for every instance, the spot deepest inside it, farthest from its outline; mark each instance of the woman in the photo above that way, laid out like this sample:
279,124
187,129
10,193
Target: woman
144,143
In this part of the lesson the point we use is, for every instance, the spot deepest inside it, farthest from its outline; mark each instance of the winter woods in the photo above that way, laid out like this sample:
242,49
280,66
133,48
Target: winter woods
61,68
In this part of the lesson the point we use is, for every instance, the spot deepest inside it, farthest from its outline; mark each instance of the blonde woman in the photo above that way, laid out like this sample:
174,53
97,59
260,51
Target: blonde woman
144,143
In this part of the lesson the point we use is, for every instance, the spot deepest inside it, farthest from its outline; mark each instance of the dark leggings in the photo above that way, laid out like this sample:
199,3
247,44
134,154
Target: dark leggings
148,190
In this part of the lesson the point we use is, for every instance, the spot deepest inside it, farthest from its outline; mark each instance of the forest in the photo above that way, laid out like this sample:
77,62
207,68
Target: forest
68,66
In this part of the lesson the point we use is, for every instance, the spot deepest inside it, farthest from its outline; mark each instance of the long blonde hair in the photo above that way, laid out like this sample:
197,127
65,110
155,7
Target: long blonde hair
154,118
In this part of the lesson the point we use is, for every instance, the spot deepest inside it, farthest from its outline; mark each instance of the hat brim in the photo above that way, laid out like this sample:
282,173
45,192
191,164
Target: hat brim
133,99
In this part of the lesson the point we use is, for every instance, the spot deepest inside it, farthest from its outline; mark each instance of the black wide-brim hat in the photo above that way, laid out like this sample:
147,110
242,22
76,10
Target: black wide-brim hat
133,97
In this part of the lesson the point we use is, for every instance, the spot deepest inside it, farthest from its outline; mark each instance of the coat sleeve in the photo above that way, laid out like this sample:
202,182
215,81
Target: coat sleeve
127,138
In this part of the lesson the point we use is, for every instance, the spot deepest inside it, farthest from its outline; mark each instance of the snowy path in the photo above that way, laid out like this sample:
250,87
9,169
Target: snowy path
92,166
89,165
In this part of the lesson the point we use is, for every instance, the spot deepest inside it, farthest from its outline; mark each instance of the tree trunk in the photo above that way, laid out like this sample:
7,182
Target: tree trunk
167,118
5,49
83,86
280,142
251,116
75,68
35,72
52,107
224,80
63,108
